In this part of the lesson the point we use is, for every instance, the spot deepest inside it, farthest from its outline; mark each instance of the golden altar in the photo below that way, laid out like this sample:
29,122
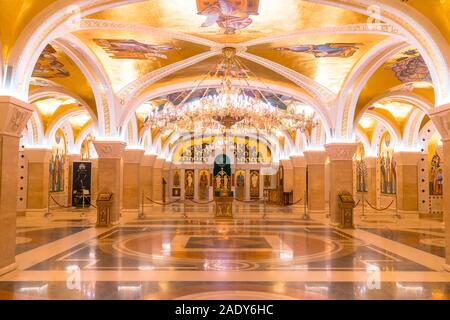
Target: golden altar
224,204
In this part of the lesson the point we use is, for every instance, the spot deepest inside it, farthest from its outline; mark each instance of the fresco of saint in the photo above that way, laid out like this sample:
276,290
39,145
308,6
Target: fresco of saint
57,164
388,176
436,187
48,65
327,50
132,49
230,15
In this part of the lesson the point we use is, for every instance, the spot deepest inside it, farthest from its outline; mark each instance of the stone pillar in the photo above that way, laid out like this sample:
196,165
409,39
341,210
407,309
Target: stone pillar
315,160
441,119
132,188
288,176
109,178
38,180
146,173
247,185
196,187
407,182
341,174
157,192
94,180
166,171
14,115
299,167
371,164
71,158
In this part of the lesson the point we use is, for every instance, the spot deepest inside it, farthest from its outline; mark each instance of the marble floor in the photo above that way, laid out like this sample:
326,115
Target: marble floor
266,252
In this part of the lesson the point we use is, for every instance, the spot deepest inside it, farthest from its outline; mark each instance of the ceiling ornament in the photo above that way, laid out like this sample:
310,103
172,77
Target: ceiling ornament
235,107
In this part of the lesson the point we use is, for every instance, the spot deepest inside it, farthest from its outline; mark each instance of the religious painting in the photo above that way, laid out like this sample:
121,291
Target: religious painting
361,170
203,185
48,65
189,184
435,168
176,178
388,175
230,15
254,184
57,163
233,70
132,49
81,184
222,175
326,50
176,192
196,153
267,181
410,67
85,150
240,184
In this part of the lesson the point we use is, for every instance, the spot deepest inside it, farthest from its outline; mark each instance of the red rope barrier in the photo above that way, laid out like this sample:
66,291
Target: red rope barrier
380,209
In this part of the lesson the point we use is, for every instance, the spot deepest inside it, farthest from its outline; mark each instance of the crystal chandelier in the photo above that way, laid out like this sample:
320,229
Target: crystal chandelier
231,107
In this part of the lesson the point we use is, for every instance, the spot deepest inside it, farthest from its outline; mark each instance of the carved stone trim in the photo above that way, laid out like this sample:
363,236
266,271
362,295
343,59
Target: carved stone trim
109,149
14,115
341,151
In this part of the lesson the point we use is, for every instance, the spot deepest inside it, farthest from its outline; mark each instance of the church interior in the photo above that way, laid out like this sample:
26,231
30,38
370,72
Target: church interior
224,149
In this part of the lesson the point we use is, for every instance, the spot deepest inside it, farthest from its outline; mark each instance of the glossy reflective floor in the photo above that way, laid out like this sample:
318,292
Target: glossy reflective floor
266,252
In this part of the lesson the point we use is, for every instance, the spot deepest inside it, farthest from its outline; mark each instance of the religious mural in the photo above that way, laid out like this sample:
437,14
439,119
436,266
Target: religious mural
388,175
435,168
84,150
189,184
254,184
132,49
246,153
229,15
81,184
410,67
203,185
57,163
196,153
361,170
326,50
176,190
48,65
240,184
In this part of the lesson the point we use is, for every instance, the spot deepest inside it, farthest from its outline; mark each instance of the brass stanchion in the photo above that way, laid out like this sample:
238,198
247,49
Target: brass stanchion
363,204
141,214
48,206
397,215
305,207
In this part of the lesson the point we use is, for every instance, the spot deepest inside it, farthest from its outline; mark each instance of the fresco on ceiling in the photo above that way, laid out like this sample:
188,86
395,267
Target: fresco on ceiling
233,70
410,67
326,50
57,163
388,175
132,49
361,170
48,66
435,169
229,15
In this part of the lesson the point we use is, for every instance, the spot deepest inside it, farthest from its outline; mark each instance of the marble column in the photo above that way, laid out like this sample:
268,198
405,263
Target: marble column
441,119
407,182
38,180
94,180
14,115
165,176
71,158
371,164
299,167
341,174
157,192
109,177
132,187
315,160
288,175
146,173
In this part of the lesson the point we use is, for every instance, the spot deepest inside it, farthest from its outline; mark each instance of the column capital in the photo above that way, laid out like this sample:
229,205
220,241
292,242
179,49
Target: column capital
298,161
133,155
109,149
159,163
286,163
14,115
38,155
315,156
341,151
74,157
440,117
148,160
407,157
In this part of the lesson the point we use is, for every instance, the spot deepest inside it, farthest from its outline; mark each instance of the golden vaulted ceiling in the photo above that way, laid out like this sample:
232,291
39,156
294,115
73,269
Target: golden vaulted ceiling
172,31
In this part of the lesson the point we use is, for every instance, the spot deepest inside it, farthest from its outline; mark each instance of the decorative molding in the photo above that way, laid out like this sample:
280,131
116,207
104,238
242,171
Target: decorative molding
38,155
441,120
109,149
315,157
133,155
407,158
14,115
341,151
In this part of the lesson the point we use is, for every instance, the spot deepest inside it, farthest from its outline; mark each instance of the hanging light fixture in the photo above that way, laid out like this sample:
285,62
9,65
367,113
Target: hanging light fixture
231,107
